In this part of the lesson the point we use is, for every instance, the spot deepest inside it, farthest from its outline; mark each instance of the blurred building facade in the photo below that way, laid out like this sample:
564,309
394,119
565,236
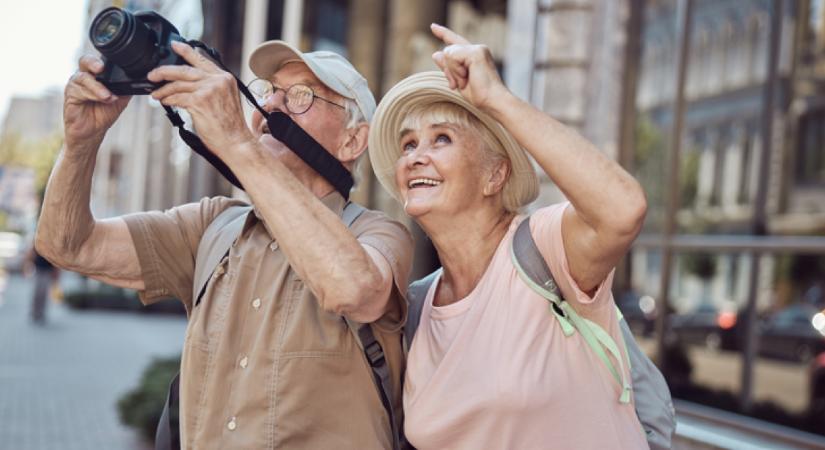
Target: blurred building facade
30,121
745,326
34,117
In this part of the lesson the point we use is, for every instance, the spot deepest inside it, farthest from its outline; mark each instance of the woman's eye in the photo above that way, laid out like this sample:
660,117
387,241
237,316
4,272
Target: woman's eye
408,147
443,138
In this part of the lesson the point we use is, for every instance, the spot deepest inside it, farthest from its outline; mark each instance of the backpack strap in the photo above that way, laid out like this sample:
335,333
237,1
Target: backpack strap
219,235
533,270
416,294
373,352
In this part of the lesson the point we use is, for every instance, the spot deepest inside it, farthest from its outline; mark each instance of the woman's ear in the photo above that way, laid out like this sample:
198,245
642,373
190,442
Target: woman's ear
355,143
498,177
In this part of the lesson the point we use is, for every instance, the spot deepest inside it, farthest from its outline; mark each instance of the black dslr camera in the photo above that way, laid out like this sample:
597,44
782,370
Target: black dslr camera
132,45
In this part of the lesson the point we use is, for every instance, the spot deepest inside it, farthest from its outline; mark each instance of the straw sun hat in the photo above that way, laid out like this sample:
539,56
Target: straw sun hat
427,88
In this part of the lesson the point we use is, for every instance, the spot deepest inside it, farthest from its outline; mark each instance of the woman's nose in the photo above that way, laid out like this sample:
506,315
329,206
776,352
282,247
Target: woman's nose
418,157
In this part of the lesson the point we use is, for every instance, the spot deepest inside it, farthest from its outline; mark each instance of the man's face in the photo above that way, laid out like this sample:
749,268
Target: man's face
323,121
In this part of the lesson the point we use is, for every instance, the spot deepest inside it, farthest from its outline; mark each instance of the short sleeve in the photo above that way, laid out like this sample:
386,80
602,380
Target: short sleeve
395,243
545,226
167,243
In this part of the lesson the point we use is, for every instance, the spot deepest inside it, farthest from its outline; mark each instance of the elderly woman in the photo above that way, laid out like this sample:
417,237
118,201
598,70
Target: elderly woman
490,366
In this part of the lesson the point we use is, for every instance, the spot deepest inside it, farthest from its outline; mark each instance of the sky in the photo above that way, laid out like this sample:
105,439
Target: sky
39,41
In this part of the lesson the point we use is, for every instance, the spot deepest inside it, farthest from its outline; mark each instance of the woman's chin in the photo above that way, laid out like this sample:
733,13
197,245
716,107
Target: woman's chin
415,208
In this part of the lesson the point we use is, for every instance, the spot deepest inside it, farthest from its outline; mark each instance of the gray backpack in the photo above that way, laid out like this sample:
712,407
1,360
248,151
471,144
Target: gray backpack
654,406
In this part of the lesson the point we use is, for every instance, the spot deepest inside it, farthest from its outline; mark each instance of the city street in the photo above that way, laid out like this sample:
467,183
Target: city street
59,383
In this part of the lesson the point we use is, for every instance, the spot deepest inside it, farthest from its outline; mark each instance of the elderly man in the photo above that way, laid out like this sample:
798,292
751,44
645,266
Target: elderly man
268,361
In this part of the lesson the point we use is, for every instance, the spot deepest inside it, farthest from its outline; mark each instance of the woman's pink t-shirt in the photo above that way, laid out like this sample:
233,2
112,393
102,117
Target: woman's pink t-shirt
495,371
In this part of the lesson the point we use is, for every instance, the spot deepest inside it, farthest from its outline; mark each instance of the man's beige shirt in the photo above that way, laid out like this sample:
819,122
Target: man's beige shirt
263,366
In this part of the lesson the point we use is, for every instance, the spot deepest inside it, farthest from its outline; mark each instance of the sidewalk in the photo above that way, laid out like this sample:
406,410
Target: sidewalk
59,383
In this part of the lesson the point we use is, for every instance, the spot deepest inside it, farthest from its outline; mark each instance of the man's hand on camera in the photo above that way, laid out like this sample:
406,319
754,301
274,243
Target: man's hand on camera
209,94
89,109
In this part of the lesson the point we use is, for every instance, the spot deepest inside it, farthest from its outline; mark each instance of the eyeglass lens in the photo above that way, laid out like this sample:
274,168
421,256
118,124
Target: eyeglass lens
298,96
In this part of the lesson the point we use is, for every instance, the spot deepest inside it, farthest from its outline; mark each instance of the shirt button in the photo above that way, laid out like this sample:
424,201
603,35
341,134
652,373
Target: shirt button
273,246
232,425
244,362
256,303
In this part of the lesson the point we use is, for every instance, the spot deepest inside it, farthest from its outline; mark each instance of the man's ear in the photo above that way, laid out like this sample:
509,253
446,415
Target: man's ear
355,143
498,177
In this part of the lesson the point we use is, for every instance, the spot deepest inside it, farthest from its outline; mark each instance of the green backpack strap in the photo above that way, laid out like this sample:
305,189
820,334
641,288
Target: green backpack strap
533,270
373,352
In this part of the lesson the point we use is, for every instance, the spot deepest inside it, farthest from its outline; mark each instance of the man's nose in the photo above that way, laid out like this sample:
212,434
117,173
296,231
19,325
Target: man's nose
275,101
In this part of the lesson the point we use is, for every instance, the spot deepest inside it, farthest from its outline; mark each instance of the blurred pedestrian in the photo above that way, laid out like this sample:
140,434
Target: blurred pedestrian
491,366
45,276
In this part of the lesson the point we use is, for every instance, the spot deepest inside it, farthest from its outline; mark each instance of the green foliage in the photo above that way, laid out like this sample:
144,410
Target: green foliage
650,160
651,166
114,298
141,407
689,177
104,297
36,154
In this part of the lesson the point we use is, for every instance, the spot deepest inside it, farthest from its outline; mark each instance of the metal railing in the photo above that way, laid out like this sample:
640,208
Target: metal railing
705,427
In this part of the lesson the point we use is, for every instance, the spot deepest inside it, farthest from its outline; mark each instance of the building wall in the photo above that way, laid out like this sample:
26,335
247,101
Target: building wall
34,117
566,58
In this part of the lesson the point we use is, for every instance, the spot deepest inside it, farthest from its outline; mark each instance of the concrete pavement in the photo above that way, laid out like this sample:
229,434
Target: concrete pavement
59,383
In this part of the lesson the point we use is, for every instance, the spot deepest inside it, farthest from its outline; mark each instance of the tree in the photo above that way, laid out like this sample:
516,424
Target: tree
38,154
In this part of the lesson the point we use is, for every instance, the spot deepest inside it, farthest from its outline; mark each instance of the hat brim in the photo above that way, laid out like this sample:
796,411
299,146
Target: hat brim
432,87
270,56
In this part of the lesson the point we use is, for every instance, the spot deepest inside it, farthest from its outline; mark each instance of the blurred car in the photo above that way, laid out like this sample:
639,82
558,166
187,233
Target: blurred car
639,311
816,407
795,333
12,252
707,325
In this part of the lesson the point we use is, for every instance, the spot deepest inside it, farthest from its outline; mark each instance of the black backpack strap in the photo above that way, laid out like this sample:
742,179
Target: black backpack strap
167,435
373,352
416,294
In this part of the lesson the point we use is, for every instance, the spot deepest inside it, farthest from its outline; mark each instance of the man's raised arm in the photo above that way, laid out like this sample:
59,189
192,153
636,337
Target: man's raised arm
67,233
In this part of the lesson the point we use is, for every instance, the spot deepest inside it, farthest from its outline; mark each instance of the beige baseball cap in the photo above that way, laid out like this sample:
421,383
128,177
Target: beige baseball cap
331,68
426,88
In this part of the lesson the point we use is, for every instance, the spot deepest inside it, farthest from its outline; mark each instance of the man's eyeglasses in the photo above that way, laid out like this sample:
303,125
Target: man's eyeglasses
298,98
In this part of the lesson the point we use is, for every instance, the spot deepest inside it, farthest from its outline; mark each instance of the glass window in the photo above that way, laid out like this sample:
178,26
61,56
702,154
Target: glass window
810,154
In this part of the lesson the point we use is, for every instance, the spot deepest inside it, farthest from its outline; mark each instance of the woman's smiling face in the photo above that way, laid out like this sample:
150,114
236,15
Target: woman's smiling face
443,166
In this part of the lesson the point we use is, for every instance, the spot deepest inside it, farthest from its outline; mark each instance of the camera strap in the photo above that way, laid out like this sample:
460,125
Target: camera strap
282,128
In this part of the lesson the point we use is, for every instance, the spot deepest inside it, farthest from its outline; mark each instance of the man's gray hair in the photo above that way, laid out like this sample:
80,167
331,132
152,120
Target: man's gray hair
354,117
354,114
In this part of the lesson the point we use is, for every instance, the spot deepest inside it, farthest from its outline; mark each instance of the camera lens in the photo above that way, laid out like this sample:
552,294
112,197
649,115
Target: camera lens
107,27
125,40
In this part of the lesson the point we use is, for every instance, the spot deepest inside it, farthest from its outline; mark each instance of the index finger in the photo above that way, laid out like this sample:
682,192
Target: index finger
447,35
194,57
90,63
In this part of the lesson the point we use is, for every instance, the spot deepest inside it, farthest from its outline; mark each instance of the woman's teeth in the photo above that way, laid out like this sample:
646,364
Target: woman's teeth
422,182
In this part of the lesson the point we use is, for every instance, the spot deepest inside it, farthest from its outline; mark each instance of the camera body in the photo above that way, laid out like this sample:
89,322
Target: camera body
132,45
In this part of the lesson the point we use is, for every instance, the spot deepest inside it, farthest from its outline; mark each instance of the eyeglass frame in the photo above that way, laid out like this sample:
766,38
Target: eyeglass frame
275,89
